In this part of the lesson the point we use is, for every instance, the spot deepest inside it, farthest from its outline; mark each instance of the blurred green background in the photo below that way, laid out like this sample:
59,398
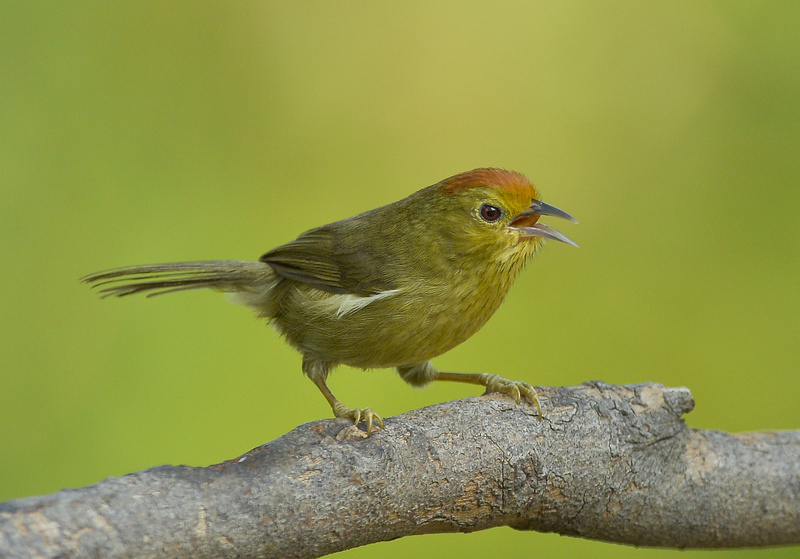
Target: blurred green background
159,131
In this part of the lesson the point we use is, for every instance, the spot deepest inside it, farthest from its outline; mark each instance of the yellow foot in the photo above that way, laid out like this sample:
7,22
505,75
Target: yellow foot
514,388
358,415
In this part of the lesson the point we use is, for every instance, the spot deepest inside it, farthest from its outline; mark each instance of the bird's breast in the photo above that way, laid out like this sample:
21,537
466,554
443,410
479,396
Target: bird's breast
422,317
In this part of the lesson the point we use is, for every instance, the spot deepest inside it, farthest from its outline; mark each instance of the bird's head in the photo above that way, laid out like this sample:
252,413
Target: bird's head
499,211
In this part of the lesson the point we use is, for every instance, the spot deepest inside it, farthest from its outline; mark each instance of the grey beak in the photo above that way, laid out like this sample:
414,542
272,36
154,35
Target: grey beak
540,229
540,208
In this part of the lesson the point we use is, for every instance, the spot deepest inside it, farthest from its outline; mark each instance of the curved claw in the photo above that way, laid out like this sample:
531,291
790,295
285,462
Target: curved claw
358,415
514,388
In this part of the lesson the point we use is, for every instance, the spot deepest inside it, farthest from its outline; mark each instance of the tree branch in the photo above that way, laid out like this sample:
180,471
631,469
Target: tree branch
612,463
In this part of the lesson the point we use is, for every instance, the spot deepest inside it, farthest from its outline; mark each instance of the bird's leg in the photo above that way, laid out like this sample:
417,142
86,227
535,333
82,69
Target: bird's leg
340,410
495,383
423,373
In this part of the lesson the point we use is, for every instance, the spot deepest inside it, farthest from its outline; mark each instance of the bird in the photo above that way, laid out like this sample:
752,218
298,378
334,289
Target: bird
393,287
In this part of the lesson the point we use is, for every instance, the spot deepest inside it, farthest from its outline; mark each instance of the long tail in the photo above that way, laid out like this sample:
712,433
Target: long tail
236,276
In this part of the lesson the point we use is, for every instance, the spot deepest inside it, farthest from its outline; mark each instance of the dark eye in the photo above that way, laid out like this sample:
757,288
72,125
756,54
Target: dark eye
490,213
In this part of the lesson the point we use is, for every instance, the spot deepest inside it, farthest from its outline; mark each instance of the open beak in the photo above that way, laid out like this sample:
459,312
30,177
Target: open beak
527,223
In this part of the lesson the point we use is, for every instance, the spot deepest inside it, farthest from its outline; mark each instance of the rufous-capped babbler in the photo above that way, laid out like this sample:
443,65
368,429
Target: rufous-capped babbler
392,287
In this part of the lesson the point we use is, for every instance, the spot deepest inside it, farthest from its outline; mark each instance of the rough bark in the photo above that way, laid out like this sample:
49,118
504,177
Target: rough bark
612,463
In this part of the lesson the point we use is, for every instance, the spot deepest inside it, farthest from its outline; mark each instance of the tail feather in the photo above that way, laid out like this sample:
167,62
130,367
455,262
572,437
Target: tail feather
235,276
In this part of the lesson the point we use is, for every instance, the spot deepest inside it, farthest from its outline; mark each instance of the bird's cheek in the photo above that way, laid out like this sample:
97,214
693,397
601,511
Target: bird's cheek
516,238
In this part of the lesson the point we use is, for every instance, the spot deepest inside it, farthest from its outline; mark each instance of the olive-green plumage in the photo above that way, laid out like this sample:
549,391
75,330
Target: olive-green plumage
392,287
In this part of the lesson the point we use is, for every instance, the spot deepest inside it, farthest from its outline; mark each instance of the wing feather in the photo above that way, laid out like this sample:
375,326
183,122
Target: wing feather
319,258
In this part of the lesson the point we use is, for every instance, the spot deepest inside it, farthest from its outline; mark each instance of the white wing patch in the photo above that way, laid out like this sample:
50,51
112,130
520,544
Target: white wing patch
347,303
